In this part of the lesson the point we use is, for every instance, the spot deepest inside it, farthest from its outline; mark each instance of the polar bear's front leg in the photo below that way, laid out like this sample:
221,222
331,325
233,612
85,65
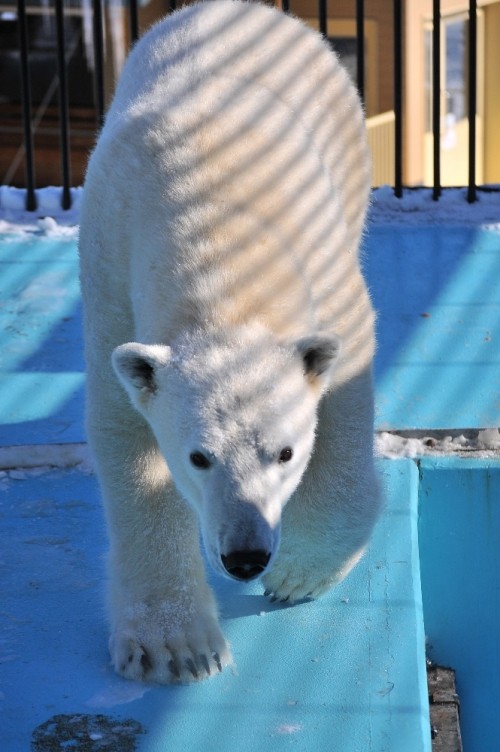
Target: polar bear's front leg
328,521
164,625
163,615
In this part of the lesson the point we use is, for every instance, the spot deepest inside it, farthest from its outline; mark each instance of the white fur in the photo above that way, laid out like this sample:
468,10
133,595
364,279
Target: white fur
219,238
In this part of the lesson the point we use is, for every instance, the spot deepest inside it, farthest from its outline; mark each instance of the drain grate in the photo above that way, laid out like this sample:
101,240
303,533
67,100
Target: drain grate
86,733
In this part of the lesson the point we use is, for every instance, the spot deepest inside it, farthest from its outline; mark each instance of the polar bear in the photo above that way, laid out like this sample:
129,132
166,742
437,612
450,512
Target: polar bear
229,335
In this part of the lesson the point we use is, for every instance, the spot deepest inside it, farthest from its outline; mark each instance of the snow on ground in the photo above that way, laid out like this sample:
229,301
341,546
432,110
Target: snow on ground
479,444
417,207
49,219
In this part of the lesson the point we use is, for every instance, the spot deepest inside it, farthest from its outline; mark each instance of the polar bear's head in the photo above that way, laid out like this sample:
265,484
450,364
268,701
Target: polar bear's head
234,416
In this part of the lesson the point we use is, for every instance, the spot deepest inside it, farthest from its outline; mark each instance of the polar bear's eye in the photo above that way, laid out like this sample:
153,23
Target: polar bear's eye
199,460
286,454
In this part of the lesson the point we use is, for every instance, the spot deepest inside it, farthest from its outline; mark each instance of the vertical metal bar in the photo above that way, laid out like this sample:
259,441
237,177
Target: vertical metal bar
472,68
134,21
63,104
360,48
98,60
323,17
398,99
436,96
26,93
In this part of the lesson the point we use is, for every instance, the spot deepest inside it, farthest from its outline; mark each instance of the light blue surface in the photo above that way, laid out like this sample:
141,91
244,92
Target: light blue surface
437,293
344,673
459,530
437,371
41,349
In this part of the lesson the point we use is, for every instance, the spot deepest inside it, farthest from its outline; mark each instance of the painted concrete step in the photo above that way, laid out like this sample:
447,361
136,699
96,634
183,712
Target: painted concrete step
346,672
459,539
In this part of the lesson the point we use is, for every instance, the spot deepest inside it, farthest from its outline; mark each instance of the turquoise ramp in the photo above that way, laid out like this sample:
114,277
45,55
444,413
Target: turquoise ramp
345,673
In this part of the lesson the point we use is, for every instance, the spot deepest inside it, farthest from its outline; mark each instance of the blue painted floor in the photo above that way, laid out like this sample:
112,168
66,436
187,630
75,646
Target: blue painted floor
344,673
41,350
341,673
437,293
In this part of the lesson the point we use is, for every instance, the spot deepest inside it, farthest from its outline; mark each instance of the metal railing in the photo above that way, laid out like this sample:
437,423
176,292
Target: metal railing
99,87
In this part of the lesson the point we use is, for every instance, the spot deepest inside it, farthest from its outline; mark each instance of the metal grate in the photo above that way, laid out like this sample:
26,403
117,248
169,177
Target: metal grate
322,11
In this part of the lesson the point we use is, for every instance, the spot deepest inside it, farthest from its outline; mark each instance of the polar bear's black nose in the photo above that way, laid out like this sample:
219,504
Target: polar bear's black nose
245,565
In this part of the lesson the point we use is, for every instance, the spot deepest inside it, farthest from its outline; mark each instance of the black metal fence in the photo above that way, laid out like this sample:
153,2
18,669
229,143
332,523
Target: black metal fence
99,88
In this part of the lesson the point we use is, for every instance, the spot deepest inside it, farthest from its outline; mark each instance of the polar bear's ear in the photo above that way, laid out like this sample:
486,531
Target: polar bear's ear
136,366
319,354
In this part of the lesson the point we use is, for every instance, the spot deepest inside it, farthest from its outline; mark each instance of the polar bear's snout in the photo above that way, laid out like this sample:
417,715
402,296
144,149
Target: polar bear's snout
245,565
244,549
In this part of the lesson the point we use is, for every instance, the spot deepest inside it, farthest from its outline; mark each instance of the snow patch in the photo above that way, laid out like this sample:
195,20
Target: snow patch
482,444
49,219
489,438
417,207
52,229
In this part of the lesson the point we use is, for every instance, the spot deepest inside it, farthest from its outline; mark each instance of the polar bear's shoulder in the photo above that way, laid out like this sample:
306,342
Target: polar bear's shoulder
193,61
222,38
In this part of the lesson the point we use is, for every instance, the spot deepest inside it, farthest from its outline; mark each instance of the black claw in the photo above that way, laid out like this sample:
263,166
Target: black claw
131,658
285,600
174,669
191,667
145,661
274,599
216,658
267,593
204,662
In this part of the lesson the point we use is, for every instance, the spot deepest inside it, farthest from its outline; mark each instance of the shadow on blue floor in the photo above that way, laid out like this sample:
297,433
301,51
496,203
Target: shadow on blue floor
42,367
438,307
438,324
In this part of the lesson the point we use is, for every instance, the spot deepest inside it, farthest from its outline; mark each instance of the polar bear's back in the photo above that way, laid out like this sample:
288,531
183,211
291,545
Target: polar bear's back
232,178
215,44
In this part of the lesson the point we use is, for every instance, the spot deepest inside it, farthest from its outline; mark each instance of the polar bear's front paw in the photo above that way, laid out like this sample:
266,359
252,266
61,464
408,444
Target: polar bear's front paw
291,579
291,586
151,645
